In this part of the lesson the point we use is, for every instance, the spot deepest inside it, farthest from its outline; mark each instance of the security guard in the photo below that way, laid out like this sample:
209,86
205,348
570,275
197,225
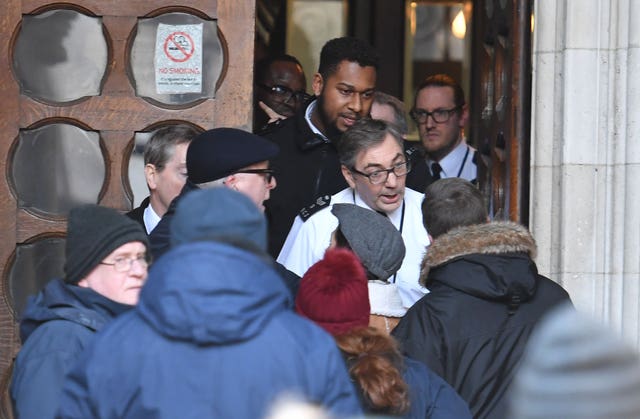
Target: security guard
375,167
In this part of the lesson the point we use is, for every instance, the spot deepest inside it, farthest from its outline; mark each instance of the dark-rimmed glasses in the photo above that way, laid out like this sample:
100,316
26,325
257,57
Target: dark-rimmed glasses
284,94
380,176
440,116
268,174
125,264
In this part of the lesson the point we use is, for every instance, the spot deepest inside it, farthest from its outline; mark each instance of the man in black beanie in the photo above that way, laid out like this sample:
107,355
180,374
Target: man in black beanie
105,268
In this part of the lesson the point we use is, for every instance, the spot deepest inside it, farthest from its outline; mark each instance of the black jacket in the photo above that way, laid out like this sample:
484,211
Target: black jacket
306,168
159,239
485,298
137,214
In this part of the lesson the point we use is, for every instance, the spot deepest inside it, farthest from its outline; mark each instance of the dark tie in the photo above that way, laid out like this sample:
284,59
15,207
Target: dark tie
436,169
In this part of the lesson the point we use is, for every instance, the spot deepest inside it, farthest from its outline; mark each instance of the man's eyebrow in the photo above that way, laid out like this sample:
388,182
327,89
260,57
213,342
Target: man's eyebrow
399,155
346,85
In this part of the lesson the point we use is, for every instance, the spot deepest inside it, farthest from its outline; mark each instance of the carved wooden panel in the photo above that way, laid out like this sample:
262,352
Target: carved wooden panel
501,95
114,114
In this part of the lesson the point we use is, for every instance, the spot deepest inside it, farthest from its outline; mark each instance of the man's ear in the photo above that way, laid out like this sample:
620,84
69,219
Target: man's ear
464,115
317,84
230,182
150,172
348,176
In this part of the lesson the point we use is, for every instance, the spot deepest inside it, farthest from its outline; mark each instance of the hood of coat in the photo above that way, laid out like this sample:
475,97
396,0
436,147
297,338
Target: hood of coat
210,292
497,256
61,301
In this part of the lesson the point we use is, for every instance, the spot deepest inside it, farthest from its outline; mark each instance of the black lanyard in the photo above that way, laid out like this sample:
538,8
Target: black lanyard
464,161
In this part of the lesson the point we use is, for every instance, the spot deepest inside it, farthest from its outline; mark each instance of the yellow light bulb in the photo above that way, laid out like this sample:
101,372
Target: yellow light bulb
459,26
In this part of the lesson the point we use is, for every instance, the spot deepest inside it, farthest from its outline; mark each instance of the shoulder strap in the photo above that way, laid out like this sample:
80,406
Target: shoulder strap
309,210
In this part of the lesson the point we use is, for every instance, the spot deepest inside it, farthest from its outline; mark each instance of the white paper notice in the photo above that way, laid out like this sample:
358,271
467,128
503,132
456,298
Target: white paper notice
178,59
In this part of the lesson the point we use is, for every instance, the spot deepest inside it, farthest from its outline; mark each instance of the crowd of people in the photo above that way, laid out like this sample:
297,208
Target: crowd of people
322,260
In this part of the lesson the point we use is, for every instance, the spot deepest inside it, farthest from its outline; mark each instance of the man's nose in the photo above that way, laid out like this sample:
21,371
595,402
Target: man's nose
392,180
356,103
138,268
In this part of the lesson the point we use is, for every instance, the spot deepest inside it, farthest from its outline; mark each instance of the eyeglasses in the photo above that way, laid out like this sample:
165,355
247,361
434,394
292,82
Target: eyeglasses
125,264
268,174
381,176
440,116
284,94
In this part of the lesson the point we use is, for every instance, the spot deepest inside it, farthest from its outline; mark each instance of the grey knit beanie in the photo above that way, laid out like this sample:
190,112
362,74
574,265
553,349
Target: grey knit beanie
93,232
372,237
575,368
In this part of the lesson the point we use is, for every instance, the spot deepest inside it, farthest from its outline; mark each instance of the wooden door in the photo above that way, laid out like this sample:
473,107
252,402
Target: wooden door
66,134
501,103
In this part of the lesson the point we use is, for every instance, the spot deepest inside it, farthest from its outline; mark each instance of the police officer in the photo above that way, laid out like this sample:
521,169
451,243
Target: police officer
375,167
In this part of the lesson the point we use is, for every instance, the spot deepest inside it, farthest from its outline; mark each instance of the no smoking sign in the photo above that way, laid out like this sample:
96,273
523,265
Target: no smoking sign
179,47
178,59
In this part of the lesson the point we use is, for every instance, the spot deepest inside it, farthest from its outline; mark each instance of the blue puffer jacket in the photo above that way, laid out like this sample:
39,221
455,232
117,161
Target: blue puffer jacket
56,326
210,338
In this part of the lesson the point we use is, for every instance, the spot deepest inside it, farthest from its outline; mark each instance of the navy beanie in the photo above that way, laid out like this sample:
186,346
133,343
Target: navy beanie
93,232
218,214
219,152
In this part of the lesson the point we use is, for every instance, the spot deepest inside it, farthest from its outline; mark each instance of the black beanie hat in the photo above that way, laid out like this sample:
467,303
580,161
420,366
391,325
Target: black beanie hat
219,152
93,232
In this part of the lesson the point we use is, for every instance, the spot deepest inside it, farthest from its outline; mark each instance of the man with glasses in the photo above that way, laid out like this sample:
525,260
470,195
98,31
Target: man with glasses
374,166
222,157
308,163
440,112
105,268
279,89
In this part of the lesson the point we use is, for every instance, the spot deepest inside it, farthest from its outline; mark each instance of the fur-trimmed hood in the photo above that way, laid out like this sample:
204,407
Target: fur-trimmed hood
494,259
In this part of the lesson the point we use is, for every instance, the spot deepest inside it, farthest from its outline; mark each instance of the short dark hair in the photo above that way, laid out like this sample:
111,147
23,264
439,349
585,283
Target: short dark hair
346,48
450,203
442,80
160,147
262,66
399,113
365,133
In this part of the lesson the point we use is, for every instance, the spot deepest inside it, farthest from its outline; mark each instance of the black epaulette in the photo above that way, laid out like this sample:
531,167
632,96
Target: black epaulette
309,210
412,151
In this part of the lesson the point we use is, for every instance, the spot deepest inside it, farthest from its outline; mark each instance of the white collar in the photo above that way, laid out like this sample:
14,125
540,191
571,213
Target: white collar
452,163
150,218
307,117
394,216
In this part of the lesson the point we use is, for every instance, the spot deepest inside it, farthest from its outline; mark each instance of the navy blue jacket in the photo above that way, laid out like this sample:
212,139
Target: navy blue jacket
430,396
57,325
212,337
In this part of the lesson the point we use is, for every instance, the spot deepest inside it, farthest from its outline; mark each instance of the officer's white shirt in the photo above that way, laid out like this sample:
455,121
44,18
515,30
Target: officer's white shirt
308,240
459,160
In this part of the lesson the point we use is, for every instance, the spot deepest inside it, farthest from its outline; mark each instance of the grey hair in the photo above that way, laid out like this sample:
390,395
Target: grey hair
364,134
399,113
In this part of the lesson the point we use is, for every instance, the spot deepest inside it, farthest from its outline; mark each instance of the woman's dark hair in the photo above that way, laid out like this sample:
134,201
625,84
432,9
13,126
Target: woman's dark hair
375,364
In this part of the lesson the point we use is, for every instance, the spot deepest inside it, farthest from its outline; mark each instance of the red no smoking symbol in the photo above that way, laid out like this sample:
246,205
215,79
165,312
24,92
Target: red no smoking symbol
179,47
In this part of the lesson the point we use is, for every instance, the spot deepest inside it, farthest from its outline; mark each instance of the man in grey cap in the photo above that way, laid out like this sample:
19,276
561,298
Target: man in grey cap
223,157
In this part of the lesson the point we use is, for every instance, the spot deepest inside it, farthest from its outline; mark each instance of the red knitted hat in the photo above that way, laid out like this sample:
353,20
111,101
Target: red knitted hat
333,293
